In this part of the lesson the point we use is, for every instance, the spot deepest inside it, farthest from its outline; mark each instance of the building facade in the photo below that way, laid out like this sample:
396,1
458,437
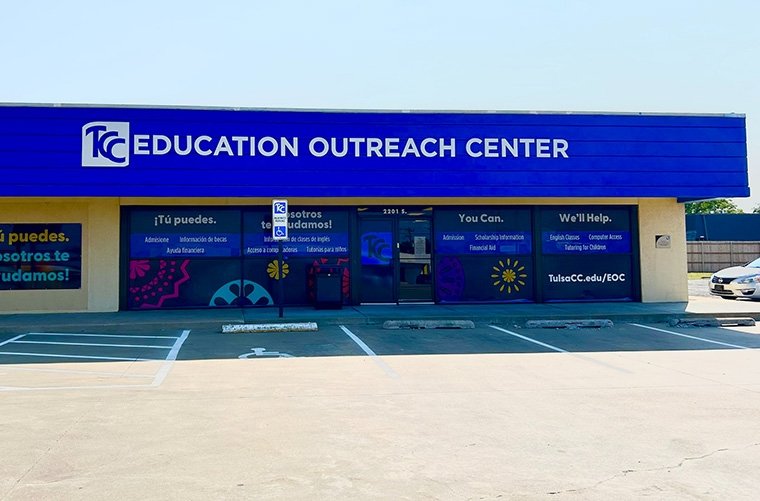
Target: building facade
107,208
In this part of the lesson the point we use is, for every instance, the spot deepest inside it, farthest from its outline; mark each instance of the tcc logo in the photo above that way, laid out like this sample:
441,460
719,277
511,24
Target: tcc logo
105,144
280,207
378,251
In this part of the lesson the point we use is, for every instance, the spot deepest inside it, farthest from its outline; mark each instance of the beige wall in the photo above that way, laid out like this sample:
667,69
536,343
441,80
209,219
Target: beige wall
356,201
663,271
99,218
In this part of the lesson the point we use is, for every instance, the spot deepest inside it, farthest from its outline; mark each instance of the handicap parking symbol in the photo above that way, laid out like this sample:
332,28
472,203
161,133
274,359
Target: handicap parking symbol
262,352
280,231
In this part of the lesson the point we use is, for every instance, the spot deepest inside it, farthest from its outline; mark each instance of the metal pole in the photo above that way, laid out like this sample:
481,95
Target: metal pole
281,294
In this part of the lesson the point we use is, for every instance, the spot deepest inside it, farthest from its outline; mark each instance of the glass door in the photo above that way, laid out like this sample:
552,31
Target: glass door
378,246
395,248
415,277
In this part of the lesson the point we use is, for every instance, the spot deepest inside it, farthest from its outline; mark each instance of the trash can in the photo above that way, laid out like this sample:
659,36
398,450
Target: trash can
328,288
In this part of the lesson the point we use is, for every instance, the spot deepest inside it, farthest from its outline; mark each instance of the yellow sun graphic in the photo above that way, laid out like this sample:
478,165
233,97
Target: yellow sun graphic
273,269
509,275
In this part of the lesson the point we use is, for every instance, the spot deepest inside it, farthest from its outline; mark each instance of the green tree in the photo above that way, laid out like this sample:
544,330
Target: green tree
717,206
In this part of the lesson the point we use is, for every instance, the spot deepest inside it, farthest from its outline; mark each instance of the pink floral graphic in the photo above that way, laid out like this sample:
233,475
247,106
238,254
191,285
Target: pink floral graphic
138,267
151,290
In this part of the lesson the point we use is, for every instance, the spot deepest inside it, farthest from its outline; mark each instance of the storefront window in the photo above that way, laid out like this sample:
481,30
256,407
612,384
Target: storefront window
219,257
586,253
318,240
483,255
183,257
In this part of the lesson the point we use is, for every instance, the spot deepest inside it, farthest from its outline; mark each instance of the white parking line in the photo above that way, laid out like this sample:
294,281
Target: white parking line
70,334
170,358
366,349
18,340
7,341
529,339
692,337
95,344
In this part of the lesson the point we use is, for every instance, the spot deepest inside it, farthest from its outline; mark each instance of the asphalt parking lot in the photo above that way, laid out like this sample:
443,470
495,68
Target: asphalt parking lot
141,346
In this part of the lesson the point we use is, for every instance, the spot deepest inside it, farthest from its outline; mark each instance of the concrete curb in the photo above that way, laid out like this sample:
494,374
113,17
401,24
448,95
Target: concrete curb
256,328
589,323
739,321
212,319
711,322
428,324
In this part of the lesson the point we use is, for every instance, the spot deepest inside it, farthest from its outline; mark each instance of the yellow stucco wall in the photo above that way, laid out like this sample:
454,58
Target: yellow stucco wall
99,218
663,271
664,275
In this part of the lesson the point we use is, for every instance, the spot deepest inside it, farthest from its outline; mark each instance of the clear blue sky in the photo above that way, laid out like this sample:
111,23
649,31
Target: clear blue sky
649,55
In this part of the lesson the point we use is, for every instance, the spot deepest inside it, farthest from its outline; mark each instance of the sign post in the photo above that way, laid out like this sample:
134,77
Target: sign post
279,234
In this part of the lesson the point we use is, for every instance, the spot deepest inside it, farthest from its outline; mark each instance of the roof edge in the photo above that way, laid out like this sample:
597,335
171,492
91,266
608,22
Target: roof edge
369,110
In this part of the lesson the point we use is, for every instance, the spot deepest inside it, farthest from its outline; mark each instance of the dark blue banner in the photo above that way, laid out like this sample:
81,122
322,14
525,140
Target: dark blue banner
483,242
145,245
325,244
311,232
183,232
586,242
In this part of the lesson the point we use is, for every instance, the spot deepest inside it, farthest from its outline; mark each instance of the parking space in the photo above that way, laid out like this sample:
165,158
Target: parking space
712,337
642,337
442,341
45,360
53,346
207,342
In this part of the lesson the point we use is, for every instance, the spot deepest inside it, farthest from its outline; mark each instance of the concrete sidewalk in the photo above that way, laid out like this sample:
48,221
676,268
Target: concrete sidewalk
593,426
375,314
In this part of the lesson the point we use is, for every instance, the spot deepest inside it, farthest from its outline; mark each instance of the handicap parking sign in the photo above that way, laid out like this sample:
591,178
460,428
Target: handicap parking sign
279,220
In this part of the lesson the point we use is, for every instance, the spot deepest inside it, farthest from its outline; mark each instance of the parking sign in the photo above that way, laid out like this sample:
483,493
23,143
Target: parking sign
279,220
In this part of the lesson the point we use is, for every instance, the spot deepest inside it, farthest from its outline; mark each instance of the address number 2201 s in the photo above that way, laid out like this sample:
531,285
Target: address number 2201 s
394,211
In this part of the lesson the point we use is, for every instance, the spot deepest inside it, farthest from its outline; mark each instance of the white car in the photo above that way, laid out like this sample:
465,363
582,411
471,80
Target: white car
737,281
